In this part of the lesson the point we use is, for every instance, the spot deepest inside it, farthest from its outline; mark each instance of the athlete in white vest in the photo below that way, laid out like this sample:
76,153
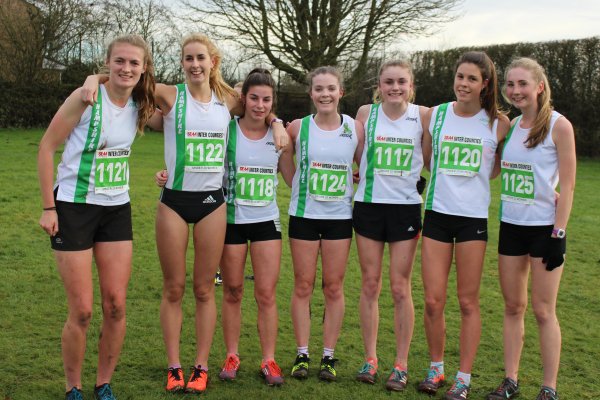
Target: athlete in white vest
387,208
538,153
326,144
252,163
88,214
463,136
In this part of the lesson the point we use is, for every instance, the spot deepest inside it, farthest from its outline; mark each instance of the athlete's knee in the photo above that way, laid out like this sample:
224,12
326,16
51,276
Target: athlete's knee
434,305
333,290
371,288
303,289
468,306
544,313
113,307
173,292
515,308
204,293
265,299
233,293
400,291
81,317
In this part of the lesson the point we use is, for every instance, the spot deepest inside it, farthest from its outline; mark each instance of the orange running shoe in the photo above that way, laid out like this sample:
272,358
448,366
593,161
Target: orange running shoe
230,368
198,381
271,372
175,382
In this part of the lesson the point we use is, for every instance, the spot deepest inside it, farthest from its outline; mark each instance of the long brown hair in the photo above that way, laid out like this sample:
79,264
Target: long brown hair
489,94
541,125
215,79
395,63
143,92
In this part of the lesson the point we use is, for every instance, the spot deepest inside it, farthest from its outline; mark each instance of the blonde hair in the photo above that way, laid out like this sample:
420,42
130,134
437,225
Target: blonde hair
488,98
541,125
395,63
143,92
325,70
215,79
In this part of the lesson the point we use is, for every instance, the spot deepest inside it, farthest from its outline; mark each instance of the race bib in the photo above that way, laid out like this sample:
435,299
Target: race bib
393,155
517,182
204,151
255,186
327,182
112,171
460,155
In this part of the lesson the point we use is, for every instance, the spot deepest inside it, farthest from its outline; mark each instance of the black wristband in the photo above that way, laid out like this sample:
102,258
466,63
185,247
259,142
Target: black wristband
49,208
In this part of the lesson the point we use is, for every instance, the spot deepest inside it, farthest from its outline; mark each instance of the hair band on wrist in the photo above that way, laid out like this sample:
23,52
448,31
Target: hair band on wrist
49,208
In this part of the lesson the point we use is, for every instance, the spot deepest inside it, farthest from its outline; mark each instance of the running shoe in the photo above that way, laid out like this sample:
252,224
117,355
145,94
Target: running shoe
432,382
397,380
368,372
508,389
300,368
198,381
547,393
271,372
230,368
104,392
458,391
74,394
327,371
175,382
218,279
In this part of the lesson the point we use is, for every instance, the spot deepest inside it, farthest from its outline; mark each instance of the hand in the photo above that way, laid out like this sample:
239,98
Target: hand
161,178
421,183
554,255
89,90
280,136
49,222
355,176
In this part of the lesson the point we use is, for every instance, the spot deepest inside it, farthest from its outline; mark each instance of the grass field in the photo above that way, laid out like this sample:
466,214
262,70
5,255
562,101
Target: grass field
33,306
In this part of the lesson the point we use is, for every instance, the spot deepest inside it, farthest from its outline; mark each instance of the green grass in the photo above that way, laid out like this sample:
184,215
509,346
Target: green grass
33,306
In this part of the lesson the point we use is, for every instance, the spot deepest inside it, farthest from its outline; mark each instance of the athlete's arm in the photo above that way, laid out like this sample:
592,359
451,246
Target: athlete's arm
156,121
363,114
426,141
360,135
64,121
164,96
286,164
564,139
503,127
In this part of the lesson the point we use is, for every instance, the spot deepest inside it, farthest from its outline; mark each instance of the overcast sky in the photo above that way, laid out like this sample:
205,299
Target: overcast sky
484,22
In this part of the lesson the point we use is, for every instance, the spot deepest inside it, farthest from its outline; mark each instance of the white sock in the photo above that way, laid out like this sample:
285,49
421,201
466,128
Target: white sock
439,365
327,352
466,378
302,350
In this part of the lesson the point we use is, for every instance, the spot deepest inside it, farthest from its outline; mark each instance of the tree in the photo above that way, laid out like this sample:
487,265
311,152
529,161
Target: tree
299,35
34,30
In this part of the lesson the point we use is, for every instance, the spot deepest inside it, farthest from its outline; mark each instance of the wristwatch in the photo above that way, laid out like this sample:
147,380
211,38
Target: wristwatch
559,233
276,120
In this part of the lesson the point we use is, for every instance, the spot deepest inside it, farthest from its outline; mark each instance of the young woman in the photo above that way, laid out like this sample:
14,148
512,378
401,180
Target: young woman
87,214
387,208
253,216
326,144
196,116
539,151
464,135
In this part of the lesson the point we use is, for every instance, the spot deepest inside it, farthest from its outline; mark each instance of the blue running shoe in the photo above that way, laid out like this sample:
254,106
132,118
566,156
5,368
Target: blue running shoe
104,392
74,394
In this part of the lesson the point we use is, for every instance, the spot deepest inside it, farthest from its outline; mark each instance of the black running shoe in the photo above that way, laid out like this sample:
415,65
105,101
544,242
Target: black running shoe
300,368
508,389
327,371
547,393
